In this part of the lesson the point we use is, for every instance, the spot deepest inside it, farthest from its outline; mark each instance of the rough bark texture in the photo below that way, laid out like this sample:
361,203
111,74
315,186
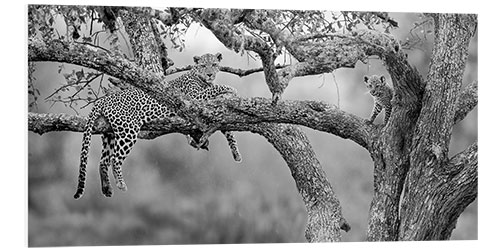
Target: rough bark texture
391,147
324,213
430,205
142,38
418,191
324,216
396,157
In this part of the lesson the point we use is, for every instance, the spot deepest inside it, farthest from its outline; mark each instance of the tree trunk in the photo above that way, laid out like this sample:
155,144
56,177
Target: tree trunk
436,189
411,152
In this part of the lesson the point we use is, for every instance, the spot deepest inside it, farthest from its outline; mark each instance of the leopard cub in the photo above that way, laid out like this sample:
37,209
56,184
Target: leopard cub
382,95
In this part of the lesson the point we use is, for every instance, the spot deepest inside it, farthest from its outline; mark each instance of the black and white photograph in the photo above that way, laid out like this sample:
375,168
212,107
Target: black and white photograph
172,125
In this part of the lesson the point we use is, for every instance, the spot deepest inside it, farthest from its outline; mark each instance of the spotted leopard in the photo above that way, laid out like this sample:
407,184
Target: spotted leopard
129,109
382,96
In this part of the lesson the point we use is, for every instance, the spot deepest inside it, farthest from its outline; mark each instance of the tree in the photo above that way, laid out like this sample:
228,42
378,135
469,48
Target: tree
419,191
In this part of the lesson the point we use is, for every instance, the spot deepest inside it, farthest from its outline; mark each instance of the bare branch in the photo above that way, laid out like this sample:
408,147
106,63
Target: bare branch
227,69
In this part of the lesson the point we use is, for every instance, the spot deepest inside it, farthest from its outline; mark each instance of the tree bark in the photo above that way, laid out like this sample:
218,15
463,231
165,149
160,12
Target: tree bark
324,213
418,191
433,194
396,157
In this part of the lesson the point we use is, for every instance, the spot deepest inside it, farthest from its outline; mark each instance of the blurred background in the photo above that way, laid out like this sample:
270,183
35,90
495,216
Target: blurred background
178,195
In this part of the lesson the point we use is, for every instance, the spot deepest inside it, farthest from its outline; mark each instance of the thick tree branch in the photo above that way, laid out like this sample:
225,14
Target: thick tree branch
91,57
323,208
144,43
462,189
313,114
321,203
314,56
316,115
440,110
108,63
466,102
44,123
444,82
224,113
220,22
450,189
262,20
465,161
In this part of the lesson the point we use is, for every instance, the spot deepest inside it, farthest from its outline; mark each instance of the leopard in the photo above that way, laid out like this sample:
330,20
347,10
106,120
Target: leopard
382,95
129,109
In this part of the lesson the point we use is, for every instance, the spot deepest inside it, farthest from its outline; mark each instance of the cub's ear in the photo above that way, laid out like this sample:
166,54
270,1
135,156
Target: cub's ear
382,79
365,78
196,59
218,56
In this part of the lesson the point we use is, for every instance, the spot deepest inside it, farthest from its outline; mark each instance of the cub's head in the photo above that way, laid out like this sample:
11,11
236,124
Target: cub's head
375,84
207,66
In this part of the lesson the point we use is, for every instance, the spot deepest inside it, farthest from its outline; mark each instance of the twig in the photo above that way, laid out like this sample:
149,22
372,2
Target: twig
238,72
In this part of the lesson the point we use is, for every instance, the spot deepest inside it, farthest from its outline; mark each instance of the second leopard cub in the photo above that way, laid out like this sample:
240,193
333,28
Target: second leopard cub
382,95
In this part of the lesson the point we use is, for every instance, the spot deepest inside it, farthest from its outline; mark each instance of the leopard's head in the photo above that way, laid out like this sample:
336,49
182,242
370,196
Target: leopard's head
375,84
206,66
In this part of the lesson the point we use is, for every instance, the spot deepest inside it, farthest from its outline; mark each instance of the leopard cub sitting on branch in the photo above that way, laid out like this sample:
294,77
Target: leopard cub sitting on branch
382,95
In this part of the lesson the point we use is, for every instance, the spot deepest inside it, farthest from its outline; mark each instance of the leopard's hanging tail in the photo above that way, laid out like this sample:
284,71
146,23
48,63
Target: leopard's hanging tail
87,135
231,141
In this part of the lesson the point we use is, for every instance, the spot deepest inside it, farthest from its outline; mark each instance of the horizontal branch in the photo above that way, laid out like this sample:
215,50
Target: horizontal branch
322,205
234,114
227,69
44,123
316,115
313,114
